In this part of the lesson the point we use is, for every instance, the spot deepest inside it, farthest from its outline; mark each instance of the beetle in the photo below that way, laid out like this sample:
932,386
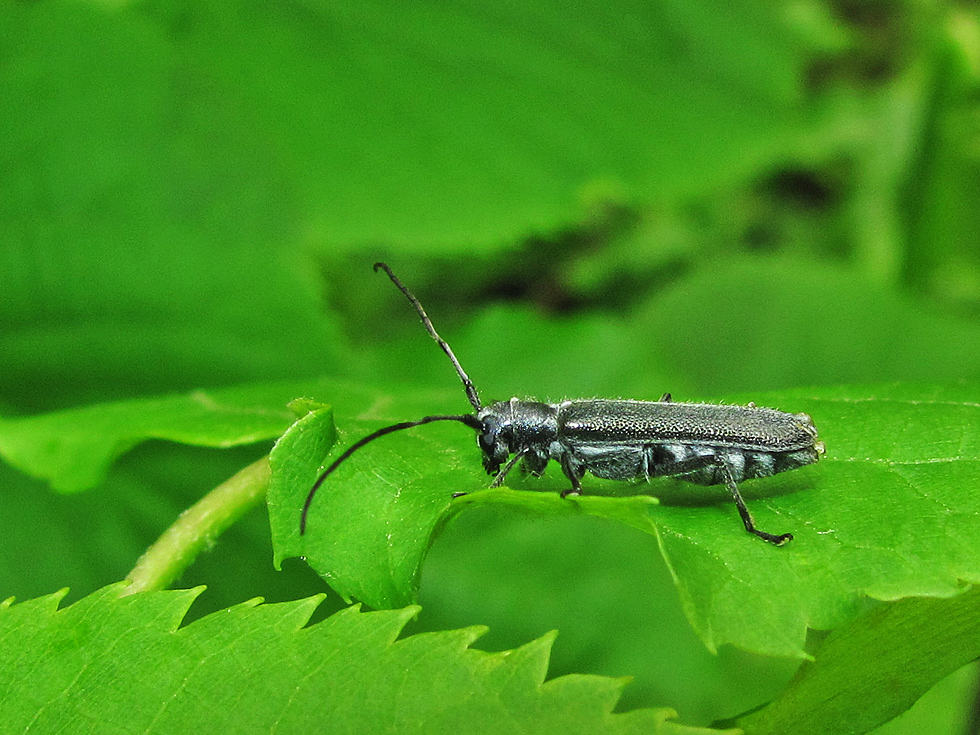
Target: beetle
703,443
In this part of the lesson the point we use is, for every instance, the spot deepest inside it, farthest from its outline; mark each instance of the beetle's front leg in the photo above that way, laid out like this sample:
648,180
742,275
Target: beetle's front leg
499,479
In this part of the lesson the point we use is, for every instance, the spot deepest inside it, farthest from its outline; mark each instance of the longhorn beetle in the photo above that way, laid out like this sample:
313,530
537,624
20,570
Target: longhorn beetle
704,443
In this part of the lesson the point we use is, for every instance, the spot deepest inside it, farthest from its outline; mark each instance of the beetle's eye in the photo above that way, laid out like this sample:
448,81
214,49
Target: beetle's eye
490,443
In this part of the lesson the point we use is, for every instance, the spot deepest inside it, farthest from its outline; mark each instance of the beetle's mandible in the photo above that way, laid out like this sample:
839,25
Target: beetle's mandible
704,443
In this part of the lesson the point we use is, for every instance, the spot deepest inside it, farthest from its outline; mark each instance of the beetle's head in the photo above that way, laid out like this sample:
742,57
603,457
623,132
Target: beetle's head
496,438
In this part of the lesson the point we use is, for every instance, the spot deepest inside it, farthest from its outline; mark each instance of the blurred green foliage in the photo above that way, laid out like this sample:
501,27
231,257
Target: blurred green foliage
613,199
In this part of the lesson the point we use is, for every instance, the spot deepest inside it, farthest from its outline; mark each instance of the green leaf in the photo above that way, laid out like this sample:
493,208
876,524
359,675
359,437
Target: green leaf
889,513
874,518
876,668
372,523
121,664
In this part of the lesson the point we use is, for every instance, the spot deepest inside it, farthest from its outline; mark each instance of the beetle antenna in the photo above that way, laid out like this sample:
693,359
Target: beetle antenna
467,383
472,421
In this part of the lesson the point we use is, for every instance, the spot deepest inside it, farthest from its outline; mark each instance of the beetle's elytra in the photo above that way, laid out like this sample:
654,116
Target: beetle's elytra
703,443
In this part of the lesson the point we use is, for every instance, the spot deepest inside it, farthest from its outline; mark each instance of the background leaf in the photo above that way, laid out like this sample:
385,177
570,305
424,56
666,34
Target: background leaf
73,449
132,263
496,119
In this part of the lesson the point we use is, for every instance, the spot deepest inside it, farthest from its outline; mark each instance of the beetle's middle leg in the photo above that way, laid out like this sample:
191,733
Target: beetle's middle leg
573,473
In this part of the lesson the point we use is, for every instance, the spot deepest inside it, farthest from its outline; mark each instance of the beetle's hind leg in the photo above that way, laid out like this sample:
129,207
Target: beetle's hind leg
743,511
710,469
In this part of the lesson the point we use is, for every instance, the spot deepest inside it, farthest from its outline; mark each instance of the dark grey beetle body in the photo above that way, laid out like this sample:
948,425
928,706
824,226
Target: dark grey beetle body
625,440
703,443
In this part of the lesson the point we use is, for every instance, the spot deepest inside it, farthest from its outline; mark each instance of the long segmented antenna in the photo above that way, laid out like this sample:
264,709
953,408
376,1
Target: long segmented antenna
467,383
472,421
